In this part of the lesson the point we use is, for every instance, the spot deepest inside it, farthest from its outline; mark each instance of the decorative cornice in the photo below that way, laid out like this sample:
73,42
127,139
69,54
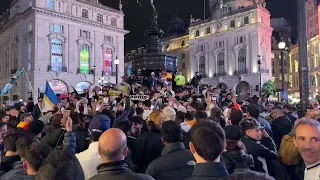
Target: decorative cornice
80,20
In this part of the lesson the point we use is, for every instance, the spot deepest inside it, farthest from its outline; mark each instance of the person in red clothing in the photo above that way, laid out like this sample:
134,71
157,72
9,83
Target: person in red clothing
25,120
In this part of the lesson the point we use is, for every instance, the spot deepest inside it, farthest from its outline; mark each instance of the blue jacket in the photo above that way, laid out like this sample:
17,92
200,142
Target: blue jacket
69,143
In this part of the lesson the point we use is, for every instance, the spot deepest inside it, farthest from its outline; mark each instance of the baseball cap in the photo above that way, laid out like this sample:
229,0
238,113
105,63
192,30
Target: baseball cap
99,124
233,133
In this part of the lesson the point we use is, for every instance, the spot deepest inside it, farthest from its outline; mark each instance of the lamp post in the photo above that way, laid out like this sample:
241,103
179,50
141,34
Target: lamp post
282,46
94,75
116,62
260,79
102,82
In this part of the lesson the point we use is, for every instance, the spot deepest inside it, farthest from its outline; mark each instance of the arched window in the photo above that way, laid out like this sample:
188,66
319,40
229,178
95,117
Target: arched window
100,18
29,47
108,58
56,55
84,58
220,63
242,61
50,4
202,65
6,64
85,13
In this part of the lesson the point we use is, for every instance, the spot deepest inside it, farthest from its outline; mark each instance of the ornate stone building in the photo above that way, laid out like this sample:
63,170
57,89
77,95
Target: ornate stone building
225,48
70,43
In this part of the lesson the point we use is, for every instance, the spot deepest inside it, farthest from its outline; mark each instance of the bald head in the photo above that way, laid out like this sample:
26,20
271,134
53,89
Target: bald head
113,145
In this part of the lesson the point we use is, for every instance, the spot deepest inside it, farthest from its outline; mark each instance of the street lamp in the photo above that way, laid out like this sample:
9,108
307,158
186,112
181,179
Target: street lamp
102,82
94,75
282,46
116,62
260,79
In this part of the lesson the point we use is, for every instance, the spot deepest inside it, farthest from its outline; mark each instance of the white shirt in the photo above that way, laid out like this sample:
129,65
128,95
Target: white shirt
90,160
146,113
312,172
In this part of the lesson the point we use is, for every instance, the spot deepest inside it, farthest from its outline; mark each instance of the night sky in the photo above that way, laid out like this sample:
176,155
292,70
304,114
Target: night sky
137,19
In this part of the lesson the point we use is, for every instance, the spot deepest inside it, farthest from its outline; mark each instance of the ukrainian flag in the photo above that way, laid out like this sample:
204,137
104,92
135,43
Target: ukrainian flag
49,99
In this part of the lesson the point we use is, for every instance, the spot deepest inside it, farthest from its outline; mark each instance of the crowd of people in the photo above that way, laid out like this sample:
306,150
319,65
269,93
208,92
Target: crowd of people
179,131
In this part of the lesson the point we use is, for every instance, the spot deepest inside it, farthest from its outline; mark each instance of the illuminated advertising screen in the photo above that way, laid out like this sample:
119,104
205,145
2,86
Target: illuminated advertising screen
108,61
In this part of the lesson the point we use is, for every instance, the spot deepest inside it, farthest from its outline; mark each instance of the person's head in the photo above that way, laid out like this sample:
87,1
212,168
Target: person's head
180,116
60,164
276,112
3,129
201,116
233,138
307,140
40,101
190,116
24,143
9,142
113,145
236,116
180,72
207,141
26,117
155,120
215,113
36,128
136,124
251,128
4,118
249,175
253,111
126,127
269,107
170,132
287,108
147,104
139,111
13,112
34,157
169,113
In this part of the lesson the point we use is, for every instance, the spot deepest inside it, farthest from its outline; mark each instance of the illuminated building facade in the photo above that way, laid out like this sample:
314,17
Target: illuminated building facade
224,48
70,43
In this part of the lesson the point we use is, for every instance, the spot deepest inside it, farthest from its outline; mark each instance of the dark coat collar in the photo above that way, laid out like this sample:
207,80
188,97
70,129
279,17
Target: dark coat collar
210,169
113,167
172,147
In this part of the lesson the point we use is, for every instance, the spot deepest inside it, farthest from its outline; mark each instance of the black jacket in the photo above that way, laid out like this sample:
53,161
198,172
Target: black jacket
175,163
236,160
7,163
280,127
118,170
148,147
55,138
16,173
292,117
209,171
256,149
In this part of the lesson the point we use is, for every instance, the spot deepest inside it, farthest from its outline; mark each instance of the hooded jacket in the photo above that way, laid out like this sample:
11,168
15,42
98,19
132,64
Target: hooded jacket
281,127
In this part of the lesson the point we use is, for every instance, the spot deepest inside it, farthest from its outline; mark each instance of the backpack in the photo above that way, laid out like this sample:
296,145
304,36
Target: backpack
237,166
288,153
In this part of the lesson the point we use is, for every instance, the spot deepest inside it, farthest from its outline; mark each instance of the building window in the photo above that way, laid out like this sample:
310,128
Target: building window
197,33
85,13
272,63
50,4
202,65
100,18
220,44
69,9
272,55
313,80
183,56
29,49
272,71
85,34
232,24
113,21
30,27
242,61
57,28
183,66
246,20
208,30
56,55
183,43
108,39
220,63
201,48
108,59
84,58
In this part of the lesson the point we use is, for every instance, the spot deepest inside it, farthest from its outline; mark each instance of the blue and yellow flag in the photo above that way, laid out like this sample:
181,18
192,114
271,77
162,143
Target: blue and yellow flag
12,81
49,99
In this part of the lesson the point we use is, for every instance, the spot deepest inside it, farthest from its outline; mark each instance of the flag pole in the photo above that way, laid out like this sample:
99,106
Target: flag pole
25,73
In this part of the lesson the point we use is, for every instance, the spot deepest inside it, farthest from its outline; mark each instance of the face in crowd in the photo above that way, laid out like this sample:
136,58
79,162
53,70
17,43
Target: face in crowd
307,140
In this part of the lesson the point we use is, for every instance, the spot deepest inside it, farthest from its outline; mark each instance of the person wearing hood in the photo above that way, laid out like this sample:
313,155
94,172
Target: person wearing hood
280,126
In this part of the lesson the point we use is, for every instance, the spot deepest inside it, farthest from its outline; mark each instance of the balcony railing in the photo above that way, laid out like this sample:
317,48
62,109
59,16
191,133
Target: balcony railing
91,71
244,71
220,74
57,68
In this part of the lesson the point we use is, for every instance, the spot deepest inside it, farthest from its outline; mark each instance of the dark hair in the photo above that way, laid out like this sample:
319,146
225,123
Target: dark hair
253,111
208,139
180,116
24,142
147,103
56,120
75,118
2,115
136,119
235,145
288,106
60,165
171,132
95,136
139,111
215,113
189,116
125,126
10,141
249,175
36,154
201,116
236,116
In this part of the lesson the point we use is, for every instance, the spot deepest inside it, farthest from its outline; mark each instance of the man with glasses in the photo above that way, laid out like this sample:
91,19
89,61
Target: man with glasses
253,133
